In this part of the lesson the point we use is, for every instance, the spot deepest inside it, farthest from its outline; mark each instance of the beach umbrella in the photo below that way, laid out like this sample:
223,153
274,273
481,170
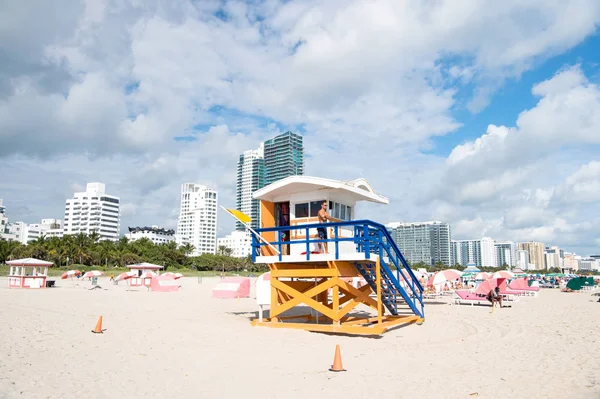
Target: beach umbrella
125,276
482,276
488,285
93,273
174,275
503,274
443,276
70,273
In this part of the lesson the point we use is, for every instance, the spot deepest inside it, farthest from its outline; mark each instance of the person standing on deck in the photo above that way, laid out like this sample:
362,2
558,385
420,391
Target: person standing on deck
322,231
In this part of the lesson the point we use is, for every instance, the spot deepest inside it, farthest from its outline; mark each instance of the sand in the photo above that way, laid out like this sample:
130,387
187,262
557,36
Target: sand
188,345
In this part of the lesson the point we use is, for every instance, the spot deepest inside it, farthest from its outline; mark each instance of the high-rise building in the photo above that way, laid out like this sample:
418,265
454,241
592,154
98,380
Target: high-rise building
3,218
554,257
197,223
522,257
480,252
250,177
275,159
427,242
239,242
284,157
93,211
536,253
505,254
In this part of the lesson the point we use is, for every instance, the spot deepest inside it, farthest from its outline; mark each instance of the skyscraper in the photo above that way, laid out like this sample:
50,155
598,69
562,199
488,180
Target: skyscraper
93,211
250,177
506,254
275,159
197,223
536,253
481,252
427,242
284,157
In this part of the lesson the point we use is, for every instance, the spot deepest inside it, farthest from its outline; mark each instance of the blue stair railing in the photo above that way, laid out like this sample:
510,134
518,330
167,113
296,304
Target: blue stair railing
398,282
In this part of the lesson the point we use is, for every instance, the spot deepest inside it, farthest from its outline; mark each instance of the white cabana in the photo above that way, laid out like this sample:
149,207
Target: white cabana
28,273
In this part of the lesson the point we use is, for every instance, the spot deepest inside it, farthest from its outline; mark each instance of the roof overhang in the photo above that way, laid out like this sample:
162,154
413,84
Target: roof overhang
29,262
359,189
144,265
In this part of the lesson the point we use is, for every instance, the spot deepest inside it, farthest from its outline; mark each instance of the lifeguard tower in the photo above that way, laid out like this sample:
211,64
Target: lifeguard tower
301,274
28,273
144,272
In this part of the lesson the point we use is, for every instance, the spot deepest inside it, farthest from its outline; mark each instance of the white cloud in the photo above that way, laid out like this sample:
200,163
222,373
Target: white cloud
99,91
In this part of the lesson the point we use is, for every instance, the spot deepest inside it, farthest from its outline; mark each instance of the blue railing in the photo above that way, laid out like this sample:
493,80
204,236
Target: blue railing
370,238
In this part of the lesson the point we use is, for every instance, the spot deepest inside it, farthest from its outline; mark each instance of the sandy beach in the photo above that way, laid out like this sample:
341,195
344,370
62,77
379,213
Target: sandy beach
188,345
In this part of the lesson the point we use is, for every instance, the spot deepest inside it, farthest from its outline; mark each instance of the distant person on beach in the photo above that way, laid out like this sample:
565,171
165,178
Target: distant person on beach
494,297
112,277
323,218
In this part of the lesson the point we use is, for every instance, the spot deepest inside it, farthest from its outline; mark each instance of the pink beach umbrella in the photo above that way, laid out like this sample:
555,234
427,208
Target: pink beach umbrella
482,276
488,285
125,276
443,276
70,273
93,273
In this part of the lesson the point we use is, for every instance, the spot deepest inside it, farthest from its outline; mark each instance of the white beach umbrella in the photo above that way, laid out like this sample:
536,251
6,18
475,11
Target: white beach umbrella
482,276
70,273
93,273
503,274
125,276
174,275
443,276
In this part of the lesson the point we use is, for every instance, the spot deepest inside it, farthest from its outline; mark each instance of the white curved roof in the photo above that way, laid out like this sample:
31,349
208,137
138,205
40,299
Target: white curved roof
145,265
29,262
360,188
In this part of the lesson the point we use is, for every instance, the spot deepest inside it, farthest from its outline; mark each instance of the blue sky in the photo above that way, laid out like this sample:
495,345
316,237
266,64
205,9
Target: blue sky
515,95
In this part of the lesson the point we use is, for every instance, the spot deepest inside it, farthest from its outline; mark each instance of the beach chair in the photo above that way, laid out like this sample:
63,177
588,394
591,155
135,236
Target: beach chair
466,297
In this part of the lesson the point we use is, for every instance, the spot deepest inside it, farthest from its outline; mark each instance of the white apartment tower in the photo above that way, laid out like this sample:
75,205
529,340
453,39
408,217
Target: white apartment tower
250,177
93,211
197,223
480,252
426,242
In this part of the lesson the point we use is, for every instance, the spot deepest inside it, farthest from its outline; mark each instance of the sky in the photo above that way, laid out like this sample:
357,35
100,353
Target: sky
482,114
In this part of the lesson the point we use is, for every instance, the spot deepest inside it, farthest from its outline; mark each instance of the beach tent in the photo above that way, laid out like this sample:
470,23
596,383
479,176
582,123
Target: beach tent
263,293
163,283
232,287
263,289
575,284
589,282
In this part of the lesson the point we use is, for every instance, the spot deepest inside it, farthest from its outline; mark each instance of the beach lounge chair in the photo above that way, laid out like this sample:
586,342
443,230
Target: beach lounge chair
466,297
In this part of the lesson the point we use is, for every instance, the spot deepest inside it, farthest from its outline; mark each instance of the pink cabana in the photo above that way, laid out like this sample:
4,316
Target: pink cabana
232,287
164,284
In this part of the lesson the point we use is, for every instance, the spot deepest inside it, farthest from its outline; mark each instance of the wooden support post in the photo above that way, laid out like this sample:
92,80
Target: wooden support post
335,306
274,300
378,282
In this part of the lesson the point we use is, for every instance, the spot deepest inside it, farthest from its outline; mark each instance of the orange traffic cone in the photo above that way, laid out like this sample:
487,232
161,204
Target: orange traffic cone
337,360
98,329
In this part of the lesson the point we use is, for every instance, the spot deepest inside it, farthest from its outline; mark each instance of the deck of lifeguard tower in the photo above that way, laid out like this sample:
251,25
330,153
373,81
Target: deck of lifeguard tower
303,274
